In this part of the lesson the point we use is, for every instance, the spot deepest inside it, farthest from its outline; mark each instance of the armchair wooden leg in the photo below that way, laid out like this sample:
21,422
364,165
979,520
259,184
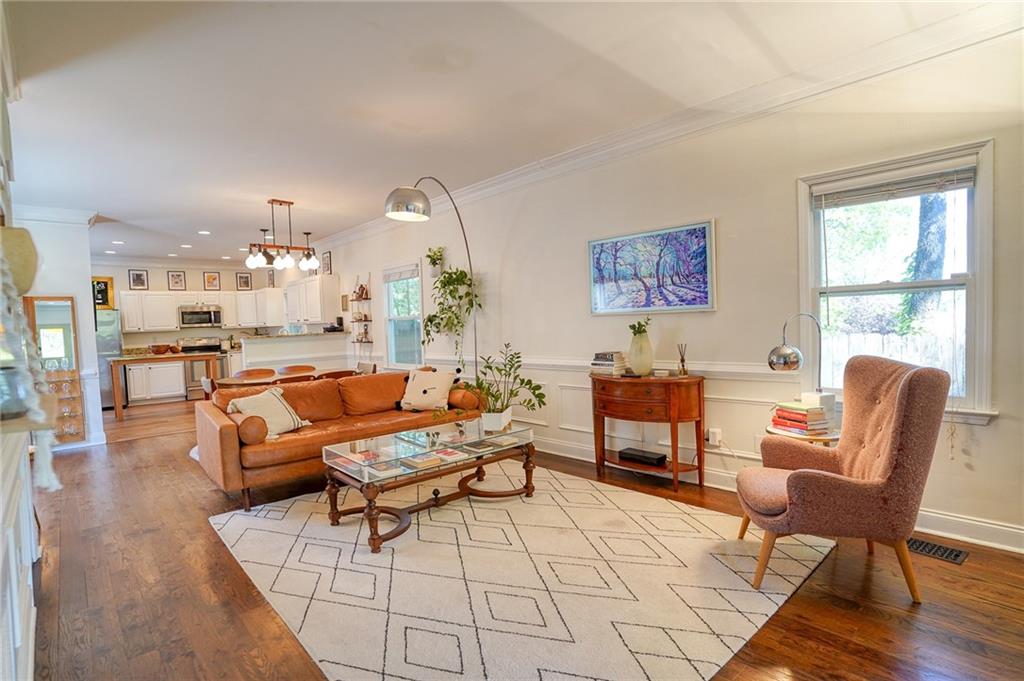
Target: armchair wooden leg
871,547
903,554
744,524
246,500
767,544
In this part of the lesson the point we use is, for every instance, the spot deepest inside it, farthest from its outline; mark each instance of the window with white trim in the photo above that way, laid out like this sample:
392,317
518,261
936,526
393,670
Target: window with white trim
898,264
405,309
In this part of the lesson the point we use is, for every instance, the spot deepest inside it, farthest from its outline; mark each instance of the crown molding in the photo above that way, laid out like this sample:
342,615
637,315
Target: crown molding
170,263
68,216
979,24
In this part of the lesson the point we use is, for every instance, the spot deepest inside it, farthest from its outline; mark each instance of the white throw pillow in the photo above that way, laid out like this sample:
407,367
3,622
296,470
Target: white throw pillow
427,390
270,406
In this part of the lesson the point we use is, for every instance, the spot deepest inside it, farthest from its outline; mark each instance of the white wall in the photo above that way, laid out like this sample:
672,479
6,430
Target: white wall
529,249
62,241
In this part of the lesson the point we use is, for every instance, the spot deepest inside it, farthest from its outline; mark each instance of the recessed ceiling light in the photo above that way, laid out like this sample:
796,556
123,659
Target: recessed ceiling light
172,255
110,252
225,257
186,245
243,250
117,243
204,232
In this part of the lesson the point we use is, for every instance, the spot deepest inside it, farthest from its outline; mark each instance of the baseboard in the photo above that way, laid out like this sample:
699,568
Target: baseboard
95,440
992,533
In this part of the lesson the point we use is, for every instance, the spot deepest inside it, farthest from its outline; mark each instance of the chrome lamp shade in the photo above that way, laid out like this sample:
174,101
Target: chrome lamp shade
408,204
785,358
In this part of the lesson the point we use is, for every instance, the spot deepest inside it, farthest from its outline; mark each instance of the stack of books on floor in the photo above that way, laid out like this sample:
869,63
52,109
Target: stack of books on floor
798,418
608,364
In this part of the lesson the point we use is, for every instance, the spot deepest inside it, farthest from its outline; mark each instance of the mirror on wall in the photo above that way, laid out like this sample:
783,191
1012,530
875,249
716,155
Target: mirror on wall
54,327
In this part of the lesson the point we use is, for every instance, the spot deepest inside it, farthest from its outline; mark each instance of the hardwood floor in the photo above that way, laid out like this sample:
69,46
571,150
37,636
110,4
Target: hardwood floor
134,584
147,420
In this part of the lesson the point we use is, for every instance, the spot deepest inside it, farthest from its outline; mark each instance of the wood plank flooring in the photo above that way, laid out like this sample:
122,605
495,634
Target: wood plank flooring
134,584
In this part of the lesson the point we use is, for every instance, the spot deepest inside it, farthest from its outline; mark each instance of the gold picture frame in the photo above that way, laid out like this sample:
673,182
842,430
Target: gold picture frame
103,293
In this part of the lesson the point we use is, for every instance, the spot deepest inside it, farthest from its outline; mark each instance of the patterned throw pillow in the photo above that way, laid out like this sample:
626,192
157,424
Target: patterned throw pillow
427,390
270,406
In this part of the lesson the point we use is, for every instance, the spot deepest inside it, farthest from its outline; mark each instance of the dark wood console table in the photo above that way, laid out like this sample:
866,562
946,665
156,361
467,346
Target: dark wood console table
672,400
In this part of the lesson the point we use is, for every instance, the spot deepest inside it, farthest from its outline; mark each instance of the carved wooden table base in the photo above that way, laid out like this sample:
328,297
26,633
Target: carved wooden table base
371,490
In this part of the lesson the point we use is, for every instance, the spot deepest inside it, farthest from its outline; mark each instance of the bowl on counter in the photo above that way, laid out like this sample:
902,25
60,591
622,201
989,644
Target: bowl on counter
160,349
175,349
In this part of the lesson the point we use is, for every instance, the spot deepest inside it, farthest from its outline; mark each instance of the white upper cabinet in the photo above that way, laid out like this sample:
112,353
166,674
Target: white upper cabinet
270,307
246,308
131,311
228,309
209,297
314,300
160,312
187,297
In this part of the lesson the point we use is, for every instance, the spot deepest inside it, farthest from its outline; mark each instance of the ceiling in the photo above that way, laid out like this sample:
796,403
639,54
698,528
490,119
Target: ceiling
171,118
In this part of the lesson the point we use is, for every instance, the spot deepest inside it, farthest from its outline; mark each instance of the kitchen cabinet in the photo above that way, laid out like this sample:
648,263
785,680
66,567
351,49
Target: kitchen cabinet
229,310
159,312
209,297
234,363
156,381
246,308
131,311
187,297
270,307
314,300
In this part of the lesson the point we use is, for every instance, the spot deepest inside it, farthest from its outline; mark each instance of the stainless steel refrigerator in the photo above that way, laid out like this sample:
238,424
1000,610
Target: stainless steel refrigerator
108,345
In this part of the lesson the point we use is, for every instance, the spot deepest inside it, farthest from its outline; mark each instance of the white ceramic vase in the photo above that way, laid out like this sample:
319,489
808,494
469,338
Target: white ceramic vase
641,355
496,420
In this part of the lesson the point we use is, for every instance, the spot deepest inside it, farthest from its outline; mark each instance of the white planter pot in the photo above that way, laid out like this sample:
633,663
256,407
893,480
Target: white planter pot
435,270
641,355
496,420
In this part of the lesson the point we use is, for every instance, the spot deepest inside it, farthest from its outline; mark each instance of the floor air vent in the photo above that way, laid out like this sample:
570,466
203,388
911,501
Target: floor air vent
927,548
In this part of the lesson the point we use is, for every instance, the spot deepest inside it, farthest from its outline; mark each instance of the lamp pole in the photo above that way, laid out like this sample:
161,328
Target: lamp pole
817,325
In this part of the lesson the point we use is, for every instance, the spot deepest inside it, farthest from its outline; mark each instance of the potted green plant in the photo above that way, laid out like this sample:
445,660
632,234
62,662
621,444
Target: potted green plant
435,258
501,387
455,297
641,352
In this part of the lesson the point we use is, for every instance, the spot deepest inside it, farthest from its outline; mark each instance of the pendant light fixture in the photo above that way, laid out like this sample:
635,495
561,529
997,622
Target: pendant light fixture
308,261
279,256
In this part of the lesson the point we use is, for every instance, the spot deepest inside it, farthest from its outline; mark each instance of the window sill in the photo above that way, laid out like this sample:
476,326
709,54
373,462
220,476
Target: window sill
972,417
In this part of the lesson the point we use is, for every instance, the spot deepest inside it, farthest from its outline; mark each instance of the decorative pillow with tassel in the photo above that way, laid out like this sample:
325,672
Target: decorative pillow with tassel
427,390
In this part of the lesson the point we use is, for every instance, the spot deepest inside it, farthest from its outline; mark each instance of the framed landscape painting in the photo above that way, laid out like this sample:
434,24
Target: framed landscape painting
668,270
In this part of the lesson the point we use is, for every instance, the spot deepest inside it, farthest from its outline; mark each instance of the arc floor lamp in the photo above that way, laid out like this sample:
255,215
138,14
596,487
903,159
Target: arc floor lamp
410,204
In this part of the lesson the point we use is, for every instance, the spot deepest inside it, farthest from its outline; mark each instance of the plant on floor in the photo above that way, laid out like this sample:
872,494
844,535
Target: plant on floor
501,386
455,297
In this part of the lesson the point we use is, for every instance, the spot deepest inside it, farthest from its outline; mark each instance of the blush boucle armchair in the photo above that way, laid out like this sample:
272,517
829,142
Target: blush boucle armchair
870,486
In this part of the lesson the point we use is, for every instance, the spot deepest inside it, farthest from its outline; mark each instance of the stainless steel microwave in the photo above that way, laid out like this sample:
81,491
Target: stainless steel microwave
198,316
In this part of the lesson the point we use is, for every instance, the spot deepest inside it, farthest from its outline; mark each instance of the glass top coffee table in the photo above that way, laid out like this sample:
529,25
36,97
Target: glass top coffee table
379,464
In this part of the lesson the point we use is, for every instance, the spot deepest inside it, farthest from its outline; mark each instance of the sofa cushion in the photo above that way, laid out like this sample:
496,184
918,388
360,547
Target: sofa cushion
311,400
764,489
271,406
308,442
427,390
372,393
462,399
252,429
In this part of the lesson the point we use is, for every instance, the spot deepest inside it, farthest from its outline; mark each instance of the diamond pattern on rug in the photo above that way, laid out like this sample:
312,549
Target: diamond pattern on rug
583,581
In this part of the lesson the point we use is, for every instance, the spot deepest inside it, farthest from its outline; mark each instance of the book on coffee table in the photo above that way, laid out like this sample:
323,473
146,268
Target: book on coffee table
478,447
419,461
503,440
450,454
384,469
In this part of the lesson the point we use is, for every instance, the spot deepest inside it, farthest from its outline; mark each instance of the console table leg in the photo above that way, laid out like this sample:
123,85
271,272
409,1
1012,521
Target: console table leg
698,427
674,427
599,443
372,516
332,496
528,466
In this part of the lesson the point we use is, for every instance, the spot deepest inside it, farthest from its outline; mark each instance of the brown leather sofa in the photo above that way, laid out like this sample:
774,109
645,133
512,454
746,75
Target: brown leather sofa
235,454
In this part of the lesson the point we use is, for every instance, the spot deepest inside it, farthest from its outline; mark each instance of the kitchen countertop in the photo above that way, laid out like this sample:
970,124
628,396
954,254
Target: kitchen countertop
294,335
149,357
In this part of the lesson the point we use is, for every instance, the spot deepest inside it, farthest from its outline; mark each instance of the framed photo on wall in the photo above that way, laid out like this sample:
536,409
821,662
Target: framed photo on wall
325,263
103,293
243,281
175,280
665,270
211,281
138,280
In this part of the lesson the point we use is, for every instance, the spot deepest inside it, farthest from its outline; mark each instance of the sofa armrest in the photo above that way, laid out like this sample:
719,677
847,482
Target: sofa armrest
218,446
784,452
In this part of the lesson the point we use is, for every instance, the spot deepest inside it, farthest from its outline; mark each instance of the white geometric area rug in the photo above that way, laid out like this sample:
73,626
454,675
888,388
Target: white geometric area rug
583,581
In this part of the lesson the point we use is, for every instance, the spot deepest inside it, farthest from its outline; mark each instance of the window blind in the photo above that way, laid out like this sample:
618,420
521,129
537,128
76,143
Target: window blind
941,181
400,273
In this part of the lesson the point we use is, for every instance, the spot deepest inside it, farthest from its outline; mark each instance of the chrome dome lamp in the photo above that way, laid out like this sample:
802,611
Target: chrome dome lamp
786,357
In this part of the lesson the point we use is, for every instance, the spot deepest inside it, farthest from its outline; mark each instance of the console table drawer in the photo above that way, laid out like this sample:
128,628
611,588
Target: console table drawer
633,411
632,391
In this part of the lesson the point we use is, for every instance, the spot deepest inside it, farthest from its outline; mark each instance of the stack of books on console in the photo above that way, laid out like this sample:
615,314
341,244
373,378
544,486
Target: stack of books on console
608,364
801,419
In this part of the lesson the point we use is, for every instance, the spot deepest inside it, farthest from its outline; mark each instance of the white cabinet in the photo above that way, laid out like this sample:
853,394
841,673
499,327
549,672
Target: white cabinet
234,363
131,311
270,307
209,297
314,300
246,308
187,297
228,309
159,312
159,380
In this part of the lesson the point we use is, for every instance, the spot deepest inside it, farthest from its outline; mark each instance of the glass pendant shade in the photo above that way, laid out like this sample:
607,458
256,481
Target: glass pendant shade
313,262
250,261
407,204
261,258
289,261
279,262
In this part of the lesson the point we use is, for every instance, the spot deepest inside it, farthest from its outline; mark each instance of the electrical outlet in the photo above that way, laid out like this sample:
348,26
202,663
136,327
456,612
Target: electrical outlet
714,437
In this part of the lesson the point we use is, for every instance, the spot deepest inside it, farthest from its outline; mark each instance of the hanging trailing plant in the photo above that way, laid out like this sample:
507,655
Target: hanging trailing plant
435,256
455,297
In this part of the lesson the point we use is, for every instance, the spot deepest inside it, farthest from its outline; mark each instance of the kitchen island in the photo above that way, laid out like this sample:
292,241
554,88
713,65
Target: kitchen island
323,350
116,363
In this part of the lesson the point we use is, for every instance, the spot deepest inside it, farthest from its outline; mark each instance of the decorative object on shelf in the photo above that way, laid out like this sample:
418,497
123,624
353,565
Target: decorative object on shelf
138,280
176,280
211,281
279,256
668,270
364,335
681,347
641,352
243,281
326,266
410,204
361,291
103,293
500,385
308,261
435,258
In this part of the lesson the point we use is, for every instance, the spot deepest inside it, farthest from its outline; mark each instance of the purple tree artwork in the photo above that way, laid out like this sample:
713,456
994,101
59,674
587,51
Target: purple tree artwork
669,270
